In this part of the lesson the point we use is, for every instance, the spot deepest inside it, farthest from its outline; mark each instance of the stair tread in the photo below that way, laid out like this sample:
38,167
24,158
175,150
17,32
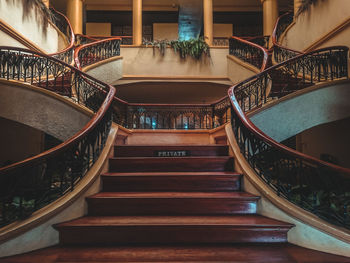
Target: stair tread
258,253
253,221
237,195
225,173
174,145
174,158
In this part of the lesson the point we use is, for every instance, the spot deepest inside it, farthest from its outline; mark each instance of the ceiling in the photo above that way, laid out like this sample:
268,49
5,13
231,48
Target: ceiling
171,5
171,92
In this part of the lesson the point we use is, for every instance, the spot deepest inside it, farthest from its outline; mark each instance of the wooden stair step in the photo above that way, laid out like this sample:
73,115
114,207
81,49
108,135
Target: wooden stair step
168,150
172,229
171,164
171,181
172,203
257,253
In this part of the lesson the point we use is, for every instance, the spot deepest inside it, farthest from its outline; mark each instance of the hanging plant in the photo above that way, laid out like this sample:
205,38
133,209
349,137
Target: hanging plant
305,5
41,11
194,48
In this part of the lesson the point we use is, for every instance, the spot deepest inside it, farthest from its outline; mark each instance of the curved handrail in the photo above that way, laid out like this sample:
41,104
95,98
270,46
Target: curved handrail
32,183
165,116
250,52
299,178
65,27
281,53
91,53
85,39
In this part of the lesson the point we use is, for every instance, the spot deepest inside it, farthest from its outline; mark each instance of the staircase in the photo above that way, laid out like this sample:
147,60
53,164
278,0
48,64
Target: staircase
195,199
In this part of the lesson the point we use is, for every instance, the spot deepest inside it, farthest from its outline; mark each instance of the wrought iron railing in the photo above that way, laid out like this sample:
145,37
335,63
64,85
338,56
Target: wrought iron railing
259,40
29,185
165,116
63,24
97,51
316,186
249,52
281,53
84,39
221,41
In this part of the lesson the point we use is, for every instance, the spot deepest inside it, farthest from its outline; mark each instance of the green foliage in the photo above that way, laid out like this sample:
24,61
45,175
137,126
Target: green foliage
194,48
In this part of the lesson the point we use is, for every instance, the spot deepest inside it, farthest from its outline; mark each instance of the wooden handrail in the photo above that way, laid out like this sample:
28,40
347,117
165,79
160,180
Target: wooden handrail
248,124
82,133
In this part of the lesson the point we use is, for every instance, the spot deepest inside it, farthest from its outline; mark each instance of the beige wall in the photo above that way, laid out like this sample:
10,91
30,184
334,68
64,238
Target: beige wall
144,61
99,29
18,141
333,136
167,31
322,18
108,71
30,26
57,117
238,70
222,30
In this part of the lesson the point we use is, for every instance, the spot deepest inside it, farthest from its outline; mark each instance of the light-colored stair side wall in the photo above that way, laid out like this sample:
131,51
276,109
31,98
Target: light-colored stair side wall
41,109
321,19
109,71
238,70
303,110
29,25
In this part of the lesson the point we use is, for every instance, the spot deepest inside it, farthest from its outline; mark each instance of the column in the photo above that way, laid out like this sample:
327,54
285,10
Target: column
47,3
208,21
137,22
297,4
75,15
270,15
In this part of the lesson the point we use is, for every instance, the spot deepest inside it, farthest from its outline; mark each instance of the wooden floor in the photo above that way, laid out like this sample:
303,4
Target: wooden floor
249,253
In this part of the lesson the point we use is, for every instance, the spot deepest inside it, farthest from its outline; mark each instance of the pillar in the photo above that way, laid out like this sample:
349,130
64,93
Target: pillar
208,21
297,4
75,15
270,15
47,3
137,22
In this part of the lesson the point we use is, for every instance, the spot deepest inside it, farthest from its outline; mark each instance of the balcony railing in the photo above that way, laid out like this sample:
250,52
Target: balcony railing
314,185
63,24
31,184
281,53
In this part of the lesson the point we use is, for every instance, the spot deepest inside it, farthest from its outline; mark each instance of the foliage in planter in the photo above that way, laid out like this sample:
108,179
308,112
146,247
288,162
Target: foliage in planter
42,13
193,47
305,5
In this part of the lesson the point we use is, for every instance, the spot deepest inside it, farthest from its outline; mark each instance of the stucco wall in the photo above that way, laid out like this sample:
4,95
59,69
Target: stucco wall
144,61
40,110
108,71
238,70
318,21
29,25
322,105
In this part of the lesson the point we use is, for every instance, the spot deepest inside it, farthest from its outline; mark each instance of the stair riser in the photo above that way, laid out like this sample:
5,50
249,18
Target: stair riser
169,235
150,151
166,206
170,183
171,165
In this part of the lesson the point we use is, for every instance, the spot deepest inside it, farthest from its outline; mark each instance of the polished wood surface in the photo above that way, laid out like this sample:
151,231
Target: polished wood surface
238,253
171,164
173,217
172,203
149,151
171,181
